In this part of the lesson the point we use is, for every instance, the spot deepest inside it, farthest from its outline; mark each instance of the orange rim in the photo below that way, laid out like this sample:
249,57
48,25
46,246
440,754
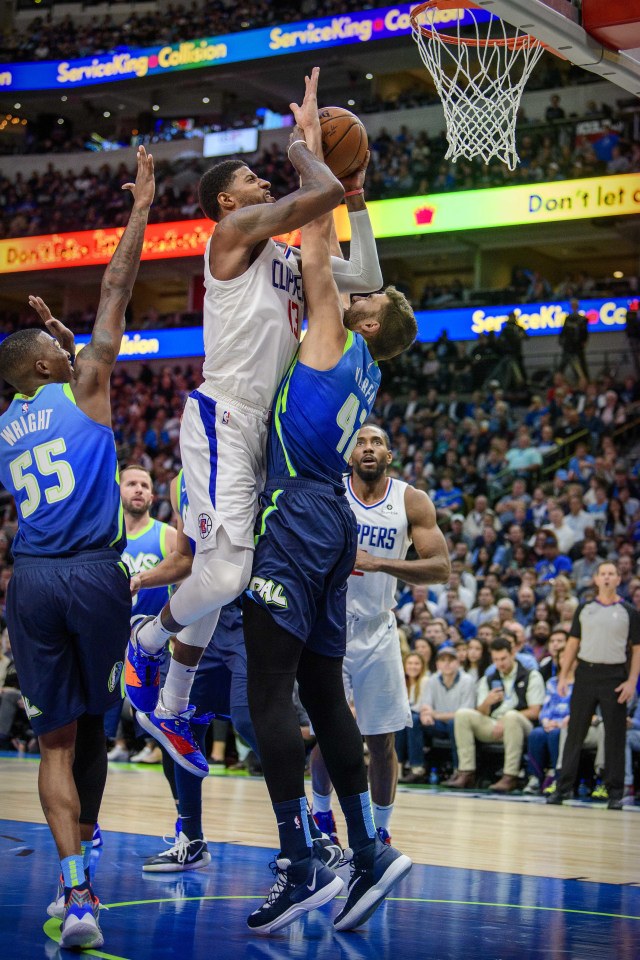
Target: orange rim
512,43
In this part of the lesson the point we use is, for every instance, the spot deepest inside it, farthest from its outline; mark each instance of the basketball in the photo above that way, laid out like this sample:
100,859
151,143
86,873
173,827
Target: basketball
344,140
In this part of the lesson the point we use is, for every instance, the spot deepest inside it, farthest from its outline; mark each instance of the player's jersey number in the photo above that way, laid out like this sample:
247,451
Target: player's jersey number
28,480
350,418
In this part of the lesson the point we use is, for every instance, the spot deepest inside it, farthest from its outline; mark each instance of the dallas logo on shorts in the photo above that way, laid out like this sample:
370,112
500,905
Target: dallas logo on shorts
269,591
205,524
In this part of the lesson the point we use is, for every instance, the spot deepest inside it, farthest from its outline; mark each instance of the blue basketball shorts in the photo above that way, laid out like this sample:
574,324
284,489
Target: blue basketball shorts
68,620
306,541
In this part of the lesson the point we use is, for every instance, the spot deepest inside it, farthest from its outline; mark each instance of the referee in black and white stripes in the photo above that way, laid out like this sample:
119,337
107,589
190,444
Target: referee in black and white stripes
605,640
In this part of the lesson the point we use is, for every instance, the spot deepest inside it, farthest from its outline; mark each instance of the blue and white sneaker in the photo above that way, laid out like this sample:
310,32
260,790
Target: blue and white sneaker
185,854
97,837
142,670
326,850
80,928
174,733
300,887
374,871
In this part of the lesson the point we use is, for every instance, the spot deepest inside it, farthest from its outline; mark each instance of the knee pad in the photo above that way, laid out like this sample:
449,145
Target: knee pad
199,633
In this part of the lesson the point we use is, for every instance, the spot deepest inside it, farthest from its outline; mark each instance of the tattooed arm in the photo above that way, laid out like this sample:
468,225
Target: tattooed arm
96,361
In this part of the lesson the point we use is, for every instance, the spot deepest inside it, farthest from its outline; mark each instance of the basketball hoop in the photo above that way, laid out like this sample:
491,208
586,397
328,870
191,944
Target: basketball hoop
480,78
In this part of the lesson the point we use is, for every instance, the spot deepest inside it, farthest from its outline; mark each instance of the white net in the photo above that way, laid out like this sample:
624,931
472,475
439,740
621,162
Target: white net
480,80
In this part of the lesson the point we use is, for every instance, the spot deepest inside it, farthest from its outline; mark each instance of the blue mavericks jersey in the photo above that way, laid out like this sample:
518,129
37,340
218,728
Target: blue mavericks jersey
143,552
61,467
317,415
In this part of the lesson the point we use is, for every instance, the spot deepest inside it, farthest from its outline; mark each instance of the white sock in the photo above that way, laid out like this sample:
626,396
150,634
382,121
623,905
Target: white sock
382,815
321,803
177,687
152,636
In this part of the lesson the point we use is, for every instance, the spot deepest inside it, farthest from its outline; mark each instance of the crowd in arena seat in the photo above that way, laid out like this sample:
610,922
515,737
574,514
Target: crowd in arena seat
402,164
51,38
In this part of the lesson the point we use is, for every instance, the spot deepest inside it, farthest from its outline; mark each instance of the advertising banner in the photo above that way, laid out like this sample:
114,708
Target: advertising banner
538,319
125,63
436,213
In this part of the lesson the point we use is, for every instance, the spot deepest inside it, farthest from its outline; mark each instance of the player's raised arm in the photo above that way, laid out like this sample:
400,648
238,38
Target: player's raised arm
326,336
95,362
244,209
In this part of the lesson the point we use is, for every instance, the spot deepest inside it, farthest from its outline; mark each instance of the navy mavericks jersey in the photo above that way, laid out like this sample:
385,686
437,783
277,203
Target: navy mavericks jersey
142,552
317,415
61,467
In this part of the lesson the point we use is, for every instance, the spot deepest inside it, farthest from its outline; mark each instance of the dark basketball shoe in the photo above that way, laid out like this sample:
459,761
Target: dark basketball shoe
374,871
300,887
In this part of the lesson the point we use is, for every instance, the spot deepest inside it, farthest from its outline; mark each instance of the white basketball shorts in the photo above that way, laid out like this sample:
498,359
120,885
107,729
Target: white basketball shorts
223,445
374,676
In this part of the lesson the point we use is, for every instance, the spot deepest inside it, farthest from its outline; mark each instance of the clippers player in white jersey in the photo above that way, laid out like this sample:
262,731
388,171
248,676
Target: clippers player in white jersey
253,310
390,515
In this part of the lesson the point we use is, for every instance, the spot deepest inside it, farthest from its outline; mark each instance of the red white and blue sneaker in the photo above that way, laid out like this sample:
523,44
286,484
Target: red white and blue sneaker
185,854
384,835
374,871
327,824
80,928
173,731
300,887
142,670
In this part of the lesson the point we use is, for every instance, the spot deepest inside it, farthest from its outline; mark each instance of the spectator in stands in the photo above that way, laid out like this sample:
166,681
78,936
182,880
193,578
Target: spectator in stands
563,531
573,340
446,692
506,712
585,569
525,609
523,458
550,665
409,741
553,562
474,521
577,519
554,111
581,465
510,371
447,499
486,609
478,656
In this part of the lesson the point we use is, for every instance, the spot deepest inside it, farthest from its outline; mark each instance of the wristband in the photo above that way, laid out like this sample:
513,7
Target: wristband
353,193
295,141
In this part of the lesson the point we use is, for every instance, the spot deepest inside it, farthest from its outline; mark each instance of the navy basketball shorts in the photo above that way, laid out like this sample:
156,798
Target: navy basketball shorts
69,623
306,540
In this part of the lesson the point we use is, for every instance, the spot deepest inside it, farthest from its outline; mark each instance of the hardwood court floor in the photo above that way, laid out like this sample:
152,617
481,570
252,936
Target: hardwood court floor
492,880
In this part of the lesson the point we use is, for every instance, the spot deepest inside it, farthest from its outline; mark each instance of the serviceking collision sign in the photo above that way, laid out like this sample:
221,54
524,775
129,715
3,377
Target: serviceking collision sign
126,63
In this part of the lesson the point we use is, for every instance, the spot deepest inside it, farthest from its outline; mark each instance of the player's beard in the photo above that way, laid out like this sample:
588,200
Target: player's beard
371,472
136,511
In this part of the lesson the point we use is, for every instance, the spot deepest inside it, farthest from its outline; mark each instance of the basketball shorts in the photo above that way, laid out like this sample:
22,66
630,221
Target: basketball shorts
305,550
68,620
223,448
373,676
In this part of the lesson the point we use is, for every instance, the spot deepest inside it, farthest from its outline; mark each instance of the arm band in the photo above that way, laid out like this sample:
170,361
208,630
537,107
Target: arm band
361,273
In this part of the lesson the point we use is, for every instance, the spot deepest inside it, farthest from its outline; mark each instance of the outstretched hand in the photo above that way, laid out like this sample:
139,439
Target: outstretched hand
144,188
355,180
56,328
307,114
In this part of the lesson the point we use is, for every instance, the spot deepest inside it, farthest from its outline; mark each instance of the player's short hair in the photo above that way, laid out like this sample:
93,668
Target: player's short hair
136,466
398,327
16,351
214,181
385,436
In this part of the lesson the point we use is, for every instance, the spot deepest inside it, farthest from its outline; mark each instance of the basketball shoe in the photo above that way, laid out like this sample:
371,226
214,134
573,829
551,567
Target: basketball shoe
80,928
384,835
172,730
142,670
327,824
327,850
374,871
300,887
185,854
56,907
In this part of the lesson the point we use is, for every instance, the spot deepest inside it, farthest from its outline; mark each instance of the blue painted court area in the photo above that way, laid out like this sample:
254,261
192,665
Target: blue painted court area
437,912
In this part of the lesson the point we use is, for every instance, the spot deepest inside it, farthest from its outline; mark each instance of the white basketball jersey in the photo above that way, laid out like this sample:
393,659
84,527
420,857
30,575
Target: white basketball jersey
383,531
251,326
